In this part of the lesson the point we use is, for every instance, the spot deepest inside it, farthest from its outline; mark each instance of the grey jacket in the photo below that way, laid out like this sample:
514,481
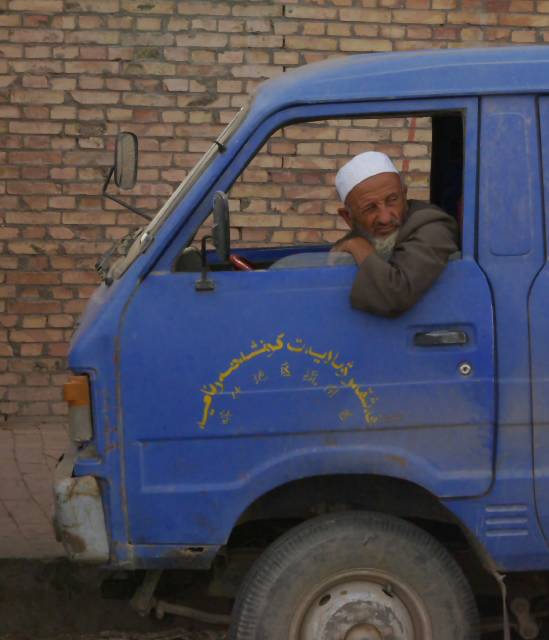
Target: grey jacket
424,243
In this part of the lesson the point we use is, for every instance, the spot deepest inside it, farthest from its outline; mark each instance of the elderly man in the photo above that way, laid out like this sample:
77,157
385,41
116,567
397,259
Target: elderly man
401,246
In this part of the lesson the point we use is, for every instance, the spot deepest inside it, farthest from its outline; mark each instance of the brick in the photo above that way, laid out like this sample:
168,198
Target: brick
191,8
137,39
63,113
36,335
36,112
523,37
93,6
318,44
37,35
365,15
90,22
61,320
210,40
63,22
419,32
365,45
43,67
37,6
364,30
405,16
39,51
311,13
35,21
312,222
261,10
283,237
154,7
30,157
523,20
92,37
92,67
42,128
65,53
33,322
37,96
10,51
176,84
10,21
93,53
260,41
472,17
149,67
231,26
148,24
254,220
283,27
178,24
95,97
203,24
9,112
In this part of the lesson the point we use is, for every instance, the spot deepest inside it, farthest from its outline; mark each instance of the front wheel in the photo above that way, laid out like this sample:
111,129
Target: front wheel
355,576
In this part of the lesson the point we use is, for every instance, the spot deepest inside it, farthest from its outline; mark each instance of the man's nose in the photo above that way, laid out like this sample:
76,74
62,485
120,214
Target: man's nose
385,215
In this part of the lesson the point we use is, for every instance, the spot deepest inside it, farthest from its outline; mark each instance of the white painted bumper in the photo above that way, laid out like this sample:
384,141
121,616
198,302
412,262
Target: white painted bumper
79,520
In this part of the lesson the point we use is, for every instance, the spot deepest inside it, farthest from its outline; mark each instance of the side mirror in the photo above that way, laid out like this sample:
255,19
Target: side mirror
221,236
125,160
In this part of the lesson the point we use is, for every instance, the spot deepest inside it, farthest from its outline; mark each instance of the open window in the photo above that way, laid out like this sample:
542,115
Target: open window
284,203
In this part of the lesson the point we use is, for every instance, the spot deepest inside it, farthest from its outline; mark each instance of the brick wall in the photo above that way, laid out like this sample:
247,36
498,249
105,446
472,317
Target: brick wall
75,72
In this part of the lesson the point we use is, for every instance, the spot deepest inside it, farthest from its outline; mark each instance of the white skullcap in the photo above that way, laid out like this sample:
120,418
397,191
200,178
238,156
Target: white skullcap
360,168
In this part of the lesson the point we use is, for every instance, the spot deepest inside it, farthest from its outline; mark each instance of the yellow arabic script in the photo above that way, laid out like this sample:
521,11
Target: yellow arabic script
327,358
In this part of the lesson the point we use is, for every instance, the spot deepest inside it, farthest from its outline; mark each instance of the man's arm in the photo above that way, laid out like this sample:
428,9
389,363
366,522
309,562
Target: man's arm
389,288
357,246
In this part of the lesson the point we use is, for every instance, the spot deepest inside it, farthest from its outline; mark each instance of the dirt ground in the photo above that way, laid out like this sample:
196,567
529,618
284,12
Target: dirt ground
66,602
61,601
179,633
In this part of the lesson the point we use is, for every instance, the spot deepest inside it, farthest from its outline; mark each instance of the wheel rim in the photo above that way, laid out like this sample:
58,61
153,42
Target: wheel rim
361,604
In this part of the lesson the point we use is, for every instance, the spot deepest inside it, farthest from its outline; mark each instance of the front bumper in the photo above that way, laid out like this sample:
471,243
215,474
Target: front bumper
79,520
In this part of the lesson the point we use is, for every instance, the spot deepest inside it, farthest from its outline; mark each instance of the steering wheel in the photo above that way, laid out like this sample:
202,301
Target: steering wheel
240,263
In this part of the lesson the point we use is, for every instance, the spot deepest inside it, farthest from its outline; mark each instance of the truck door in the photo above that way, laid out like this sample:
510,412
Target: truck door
539,326
272,376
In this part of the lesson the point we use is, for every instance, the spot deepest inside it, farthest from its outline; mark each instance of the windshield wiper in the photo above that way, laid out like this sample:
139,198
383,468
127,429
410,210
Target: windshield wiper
120,248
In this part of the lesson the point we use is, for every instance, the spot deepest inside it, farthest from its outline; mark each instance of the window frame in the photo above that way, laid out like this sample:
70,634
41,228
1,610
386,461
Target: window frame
468,106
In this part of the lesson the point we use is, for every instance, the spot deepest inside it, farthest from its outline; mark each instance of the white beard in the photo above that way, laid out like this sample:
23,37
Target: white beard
384,245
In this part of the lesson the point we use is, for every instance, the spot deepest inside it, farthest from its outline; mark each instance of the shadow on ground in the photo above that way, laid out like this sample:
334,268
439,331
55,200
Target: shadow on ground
64,601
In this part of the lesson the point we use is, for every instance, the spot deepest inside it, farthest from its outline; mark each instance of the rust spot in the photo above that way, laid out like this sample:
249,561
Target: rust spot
188,551
402,462
73,542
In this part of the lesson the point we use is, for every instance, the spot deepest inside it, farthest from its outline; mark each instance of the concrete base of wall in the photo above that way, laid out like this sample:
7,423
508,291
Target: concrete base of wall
28,454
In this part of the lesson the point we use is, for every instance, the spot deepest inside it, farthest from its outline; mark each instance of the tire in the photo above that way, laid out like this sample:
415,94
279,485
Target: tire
355,576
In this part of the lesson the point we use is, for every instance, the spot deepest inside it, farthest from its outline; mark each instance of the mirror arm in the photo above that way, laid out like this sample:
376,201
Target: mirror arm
139,212
204,284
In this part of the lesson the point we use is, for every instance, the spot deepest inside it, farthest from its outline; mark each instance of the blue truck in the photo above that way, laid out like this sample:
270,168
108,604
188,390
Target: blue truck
359,524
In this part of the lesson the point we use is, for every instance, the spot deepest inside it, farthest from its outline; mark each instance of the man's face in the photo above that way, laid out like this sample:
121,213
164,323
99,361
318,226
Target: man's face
376,207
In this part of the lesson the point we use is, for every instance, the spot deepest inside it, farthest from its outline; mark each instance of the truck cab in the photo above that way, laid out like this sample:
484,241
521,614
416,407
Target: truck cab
206,405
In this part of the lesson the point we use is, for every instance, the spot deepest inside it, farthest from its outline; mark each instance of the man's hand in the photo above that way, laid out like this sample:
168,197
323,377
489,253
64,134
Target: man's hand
357,246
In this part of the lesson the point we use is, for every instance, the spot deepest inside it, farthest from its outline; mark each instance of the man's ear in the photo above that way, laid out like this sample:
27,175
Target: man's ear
346,215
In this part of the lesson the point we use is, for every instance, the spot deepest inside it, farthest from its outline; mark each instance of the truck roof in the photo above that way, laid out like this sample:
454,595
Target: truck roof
415,74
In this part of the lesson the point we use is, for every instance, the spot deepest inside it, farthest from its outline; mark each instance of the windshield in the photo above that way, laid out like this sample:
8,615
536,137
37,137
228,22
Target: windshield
146,235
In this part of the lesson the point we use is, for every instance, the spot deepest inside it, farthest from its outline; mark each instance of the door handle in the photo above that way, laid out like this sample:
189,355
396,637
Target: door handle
440,338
